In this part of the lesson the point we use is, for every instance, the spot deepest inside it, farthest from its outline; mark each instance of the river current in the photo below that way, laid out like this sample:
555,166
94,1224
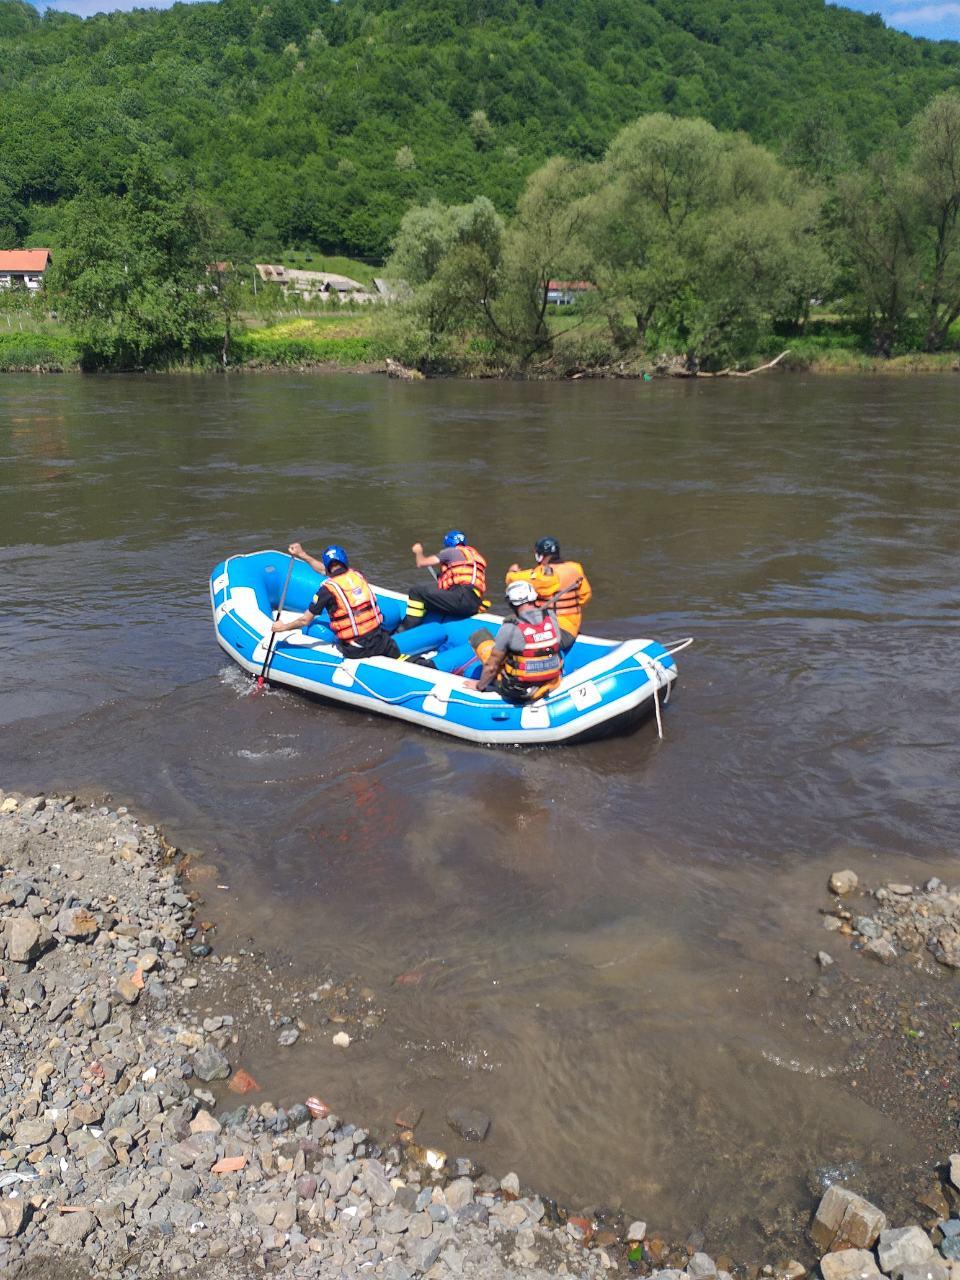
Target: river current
613,942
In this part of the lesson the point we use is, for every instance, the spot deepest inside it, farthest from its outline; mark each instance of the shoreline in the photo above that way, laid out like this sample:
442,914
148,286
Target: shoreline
132,1135
828,363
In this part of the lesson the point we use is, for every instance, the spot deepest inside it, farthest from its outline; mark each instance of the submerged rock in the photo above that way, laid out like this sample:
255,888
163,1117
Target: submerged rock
843,882
471,1123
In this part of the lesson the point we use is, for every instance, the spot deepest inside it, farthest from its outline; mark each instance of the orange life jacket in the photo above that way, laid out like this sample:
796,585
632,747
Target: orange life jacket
471,571
540,662
355,612
566,601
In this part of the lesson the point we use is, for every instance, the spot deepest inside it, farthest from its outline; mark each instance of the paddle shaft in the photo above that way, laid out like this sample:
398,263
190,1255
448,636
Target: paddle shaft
273,635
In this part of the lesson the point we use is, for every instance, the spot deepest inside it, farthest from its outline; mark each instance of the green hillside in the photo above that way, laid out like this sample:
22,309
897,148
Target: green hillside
318,123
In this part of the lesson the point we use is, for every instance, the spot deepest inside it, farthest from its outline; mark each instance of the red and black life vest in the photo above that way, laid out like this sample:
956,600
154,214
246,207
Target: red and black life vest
540,662
471,571
355,612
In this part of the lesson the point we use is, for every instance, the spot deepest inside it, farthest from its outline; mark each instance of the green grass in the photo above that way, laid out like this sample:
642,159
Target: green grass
38,351
268,348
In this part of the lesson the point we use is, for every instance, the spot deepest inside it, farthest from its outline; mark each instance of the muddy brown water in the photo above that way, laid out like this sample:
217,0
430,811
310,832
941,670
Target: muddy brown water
615,940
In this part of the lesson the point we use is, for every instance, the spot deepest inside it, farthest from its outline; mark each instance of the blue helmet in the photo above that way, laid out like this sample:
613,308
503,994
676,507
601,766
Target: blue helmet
334,555
455,538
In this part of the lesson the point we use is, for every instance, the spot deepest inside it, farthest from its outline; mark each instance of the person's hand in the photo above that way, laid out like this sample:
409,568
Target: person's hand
417,548
296,550
514,568
470,684
277,626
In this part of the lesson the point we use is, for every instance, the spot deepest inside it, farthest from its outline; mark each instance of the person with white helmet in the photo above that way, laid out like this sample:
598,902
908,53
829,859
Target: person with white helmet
523,661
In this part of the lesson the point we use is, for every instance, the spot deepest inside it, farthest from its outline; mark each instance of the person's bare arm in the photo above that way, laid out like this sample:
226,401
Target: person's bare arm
298,553
423,562
295,624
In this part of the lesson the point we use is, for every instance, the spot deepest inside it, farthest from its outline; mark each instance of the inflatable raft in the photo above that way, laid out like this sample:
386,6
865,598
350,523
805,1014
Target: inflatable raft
606,687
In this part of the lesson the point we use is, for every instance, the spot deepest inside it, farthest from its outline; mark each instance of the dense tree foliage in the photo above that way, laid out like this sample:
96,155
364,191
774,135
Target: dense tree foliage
132,276
699,242
322,122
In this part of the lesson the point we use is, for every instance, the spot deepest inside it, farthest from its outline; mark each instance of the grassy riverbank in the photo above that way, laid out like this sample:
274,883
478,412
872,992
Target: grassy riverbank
364,340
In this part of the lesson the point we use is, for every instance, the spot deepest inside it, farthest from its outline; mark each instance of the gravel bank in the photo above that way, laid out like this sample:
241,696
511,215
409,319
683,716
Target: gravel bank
113,1147
130,1144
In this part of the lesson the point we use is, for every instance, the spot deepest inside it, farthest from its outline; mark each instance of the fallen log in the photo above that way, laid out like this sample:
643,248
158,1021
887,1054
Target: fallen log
676,369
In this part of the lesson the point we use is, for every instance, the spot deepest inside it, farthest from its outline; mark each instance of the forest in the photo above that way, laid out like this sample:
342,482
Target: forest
730,178
321,122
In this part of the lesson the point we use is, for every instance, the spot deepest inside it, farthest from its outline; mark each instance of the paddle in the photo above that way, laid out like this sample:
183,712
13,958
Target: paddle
261,678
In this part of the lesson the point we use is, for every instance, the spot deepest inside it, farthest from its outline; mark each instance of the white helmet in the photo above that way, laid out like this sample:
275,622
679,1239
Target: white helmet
521,592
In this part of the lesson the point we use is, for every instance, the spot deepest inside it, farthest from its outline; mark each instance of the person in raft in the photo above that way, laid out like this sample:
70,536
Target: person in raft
560,583
523,661
461,581
351,606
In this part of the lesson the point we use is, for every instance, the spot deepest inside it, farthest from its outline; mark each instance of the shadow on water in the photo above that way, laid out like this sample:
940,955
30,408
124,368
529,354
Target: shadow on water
615,940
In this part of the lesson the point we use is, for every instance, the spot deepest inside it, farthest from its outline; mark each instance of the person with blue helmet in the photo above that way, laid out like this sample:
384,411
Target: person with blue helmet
350,603
461,582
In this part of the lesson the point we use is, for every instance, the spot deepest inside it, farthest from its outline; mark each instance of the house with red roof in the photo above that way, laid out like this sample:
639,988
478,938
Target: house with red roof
564,292
23,267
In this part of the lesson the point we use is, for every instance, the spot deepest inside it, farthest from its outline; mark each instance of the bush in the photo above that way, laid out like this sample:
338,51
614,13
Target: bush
38,351
262,351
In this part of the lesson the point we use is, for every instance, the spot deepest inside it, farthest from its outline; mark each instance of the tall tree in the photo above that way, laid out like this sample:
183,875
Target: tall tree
699,238
935,168
132,272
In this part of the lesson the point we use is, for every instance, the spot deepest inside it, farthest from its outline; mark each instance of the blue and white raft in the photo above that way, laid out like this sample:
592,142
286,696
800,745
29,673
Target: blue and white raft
606,687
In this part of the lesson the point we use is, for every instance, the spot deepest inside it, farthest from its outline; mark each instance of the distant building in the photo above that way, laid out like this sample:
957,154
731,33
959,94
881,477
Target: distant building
314,284
24,267
565,292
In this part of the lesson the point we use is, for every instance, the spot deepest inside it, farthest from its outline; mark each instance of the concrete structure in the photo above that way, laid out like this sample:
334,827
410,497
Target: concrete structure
314,284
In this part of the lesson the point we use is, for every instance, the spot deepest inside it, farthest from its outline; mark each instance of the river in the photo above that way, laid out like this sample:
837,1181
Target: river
616,940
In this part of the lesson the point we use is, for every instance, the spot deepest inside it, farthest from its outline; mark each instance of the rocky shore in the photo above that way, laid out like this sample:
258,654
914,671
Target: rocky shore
133,1142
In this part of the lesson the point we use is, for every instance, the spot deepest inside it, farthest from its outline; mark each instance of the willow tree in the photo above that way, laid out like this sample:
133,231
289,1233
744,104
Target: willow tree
699,239
896,225
935,170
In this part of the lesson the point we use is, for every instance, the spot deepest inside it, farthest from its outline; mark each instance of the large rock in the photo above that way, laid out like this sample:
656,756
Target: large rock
849,1264
881,949
844,1219
24,939
900,1247
69,1230
955,1170
210,1064
77,922
375,1183
33,1133
932,1269
458,1194
13,1215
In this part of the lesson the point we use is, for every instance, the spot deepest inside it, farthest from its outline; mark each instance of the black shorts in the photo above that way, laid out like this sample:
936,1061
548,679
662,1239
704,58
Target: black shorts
375,644
460,601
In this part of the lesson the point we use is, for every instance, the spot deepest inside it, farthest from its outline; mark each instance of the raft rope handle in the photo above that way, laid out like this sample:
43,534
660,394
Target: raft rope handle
654,669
